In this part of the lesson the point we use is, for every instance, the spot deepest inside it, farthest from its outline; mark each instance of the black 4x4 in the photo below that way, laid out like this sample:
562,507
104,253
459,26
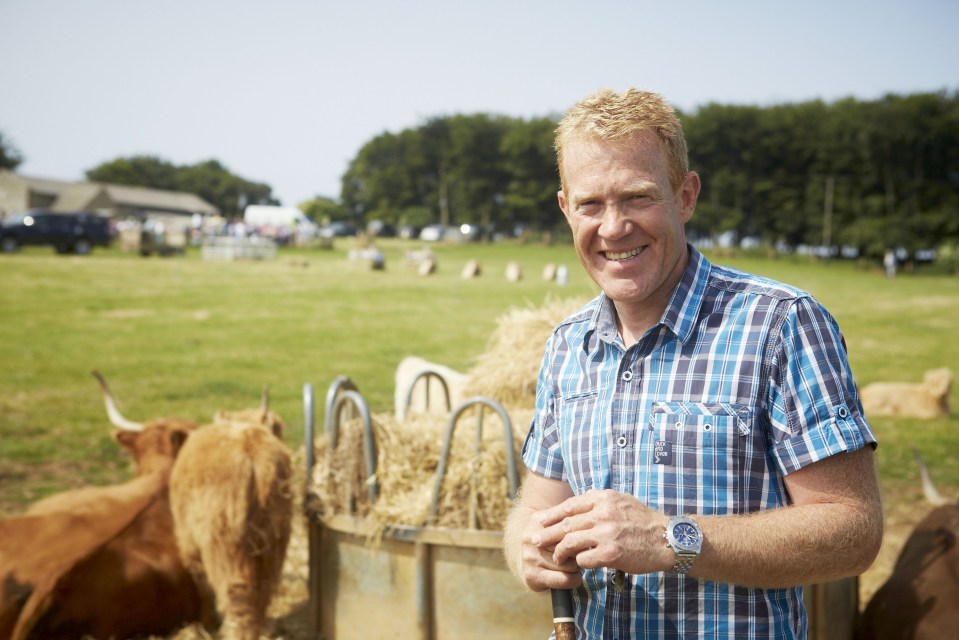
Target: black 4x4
67,232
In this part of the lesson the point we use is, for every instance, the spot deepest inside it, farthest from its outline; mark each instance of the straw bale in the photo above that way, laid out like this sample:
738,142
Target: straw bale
508,369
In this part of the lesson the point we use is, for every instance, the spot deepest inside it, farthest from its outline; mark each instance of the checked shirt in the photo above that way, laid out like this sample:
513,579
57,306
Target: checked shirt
742,382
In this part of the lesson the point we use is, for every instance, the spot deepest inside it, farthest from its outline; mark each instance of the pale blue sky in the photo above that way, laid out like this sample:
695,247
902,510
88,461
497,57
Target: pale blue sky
287,91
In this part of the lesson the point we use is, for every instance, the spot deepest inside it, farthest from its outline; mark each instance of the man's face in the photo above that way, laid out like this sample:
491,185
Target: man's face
627,220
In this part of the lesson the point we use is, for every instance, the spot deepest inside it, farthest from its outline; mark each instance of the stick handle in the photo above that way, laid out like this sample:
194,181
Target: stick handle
563,621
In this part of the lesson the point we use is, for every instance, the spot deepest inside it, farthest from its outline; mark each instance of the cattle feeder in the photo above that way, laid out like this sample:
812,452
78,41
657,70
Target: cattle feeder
426,582
437,583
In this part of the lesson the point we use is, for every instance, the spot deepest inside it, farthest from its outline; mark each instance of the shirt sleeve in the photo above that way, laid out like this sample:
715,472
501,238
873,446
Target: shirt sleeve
814,405
542,453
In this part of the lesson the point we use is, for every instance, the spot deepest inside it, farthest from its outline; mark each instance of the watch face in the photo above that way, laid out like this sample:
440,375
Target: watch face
686,535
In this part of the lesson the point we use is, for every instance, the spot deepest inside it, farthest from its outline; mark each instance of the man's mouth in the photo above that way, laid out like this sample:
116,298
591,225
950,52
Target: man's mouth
624,255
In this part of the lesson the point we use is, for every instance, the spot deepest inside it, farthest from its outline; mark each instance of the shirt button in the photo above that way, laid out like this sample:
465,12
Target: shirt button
622,441
842,412
627,375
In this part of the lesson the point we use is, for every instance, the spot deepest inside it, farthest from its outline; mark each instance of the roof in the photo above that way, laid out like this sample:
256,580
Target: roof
157,199
77,196
45,186
95,195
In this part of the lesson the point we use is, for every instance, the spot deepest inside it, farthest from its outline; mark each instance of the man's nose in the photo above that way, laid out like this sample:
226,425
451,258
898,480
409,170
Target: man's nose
615,222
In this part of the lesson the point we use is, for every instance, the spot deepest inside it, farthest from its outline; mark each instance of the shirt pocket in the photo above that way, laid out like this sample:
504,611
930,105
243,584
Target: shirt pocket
698,456
577,422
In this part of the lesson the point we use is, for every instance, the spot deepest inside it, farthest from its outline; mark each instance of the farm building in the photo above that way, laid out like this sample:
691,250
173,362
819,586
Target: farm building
19,193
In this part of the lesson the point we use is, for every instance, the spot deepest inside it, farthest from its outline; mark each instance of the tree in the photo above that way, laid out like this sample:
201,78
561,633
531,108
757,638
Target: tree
323,210
137,171
10,156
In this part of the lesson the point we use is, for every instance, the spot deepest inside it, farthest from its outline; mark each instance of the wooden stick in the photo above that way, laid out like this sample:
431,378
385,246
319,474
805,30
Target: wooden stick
563,621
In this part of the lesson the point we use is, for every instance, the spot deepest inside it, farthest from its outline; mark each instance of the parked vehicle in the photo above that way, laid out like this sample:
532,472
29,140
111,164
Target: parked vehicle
67,232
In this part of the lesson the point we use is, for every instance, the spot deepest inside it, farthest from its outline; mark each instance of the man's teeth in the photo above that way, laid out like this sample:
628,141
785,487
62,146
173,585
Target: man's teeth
610,255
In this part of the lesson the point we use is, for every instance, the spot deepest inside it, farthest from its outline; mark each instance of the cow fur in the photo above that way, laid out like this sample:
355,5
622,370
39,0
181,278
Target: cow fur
232,504
930,399
921,598
102,561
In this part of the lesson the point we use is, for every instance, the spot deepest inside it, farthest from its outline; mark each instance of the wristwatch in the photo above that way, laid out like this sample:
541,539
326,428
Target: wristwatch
685,538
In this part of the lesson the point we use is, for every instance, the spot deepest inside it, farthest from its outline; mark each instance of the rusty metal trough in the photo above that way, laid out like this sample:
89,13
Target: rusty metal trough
424,583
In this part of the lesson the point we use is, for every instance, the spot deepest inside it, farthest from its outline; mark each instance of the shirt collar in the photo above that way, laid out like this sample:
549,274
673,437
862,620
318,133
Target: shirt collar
680,314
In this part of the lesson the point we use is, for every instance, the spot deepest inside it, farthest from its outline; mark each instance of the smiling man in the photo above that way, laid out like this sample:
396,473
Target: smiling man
699,449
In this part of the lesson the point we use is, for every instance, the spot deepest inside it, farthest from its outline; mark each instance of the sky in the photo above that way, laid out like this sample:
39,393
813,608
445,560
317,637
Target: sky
287,92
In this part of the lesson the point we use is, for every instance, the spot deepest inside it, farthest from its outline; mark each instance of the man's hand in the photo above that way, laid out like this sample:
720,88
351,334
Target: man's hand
602,528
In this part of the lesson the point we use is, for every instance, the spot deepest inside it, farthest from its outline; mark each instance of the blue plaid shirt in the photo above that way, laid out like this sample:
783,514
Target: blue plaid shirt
743,381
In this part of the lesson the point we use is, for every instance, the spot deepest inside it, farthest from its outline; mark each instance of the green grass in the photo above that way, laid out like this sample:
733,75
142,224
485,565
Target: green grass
185,337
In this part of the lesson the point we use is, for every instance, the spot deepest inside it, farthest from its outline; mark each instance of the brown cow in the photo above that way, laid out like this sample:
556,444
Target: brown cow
102,561
232,504
921,597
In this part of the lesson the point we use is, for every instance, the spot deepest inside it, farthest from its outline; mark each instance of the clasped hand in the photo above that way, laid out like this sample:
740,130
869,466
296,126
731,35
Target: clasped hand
600,528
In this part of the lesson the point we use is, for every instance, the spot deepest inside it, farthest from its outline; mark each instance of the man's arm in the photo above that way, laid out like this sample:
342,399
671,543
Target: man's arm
532,563
833,529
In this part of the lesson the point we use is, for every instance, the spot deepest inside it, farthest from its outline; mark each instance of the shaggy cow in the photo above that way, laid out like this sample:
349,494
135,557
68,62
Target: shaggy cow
920,598
232,505
930,399
102,561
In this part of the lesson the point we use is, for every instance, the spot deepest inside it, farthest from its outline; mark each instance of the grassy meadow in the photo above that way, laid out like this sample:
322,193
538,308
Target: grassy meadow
182,336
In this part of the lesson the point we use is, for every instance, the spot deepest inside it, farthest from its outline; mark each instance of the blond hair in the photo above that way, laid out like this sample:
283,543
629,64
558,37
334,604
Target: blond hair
618,117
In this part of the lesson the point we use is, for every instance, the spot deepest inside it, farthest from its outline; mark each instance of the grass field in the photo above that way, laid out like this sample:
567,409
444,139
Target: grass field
181,336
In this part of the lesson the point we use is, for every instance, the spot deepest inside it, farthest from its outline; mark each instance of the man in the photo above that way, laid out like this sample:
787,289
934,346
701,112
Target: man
699,448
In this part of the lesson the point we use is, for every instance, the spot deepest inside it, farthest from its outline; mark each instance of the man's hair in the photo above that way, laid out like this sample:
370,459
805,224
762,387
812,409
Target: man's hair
618,117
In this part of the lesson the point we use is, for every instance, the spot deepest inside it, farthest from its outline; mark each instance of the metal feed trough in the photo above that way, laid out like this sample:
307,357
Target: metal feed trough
417,582
435,583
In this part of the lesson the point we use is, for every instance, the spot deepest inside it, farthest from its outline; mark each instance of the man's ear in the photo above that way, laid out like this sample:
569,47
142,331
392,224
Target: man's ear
563,204
689,194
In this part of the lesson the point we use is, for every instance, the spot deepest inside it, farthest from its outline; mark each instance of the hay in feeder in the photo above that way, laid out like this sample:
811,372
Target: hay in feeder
475,490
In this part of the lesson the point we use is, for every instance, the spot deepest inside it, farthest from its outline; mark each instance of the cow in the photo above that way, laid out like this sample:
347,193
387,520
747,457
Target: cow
921,597
103,561
231,494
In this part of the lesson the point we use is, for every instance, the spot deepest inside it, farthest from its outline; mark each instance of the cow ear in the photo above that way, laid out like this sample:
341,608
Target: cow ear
177,438
277,429
127,439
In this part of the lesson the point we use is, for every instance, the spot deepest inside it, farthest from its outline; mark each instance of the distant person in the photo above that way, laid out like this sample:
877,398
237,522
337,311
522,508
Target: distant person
699,448
889,263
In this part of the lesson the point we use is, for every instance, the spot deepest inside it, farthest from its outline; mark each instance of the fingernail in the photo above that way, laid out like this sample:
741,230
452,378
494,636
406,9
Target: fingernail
535,540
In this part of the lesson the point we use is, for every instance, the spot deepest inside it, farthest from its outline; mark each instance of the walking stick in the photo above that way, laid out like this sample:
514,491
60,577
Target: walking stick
563,622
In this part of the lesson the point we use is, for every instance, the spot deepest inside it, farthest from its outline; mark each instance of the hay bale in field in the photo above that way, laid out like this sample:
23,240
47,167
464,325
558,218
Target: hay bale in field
508,369
471,270
549,272
928,399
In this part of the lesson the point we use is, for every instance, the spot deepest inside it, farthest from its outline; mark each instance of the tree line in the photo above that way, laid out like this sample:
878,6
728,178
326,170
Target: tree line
867,174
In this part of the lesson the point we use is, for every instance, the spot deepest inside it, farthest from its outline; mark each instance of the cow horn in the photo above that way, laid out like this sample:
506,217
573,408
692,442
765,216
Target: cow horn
265,402
116,418
929,490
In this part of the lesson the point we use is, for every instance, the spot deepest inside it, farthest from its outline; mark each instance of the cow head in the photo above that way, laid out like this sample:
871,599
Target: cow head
153,445
261,416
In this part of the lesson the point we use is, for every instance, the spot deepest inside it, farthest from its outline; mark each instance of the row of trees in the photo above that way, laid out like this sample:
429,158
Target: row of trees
209,179
870,174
